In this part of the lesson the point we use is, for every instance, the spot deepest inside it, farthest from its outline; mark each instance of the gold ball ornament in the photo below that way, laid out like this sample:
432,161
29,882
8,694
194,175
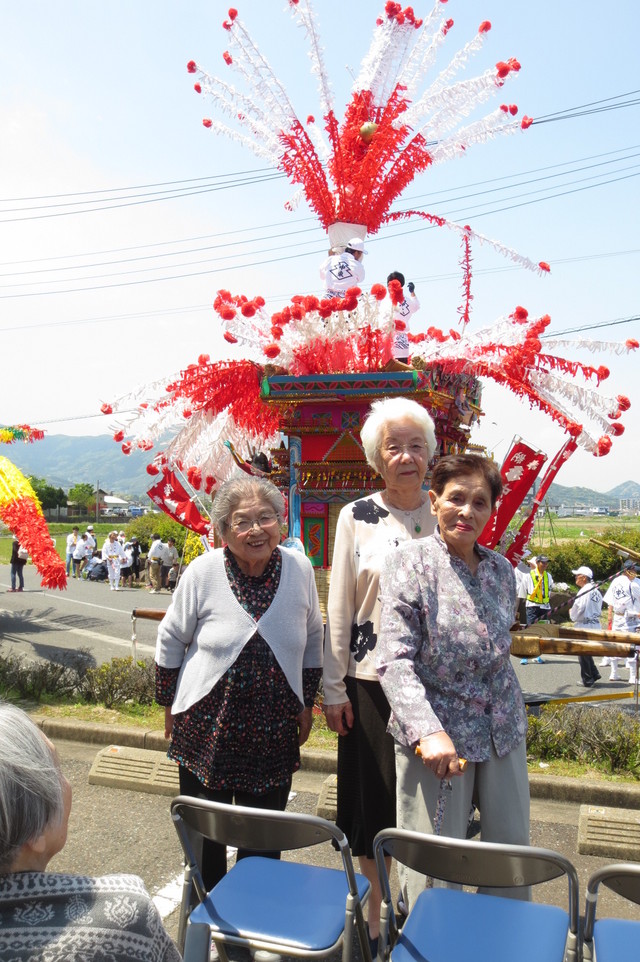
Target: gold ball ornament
367,131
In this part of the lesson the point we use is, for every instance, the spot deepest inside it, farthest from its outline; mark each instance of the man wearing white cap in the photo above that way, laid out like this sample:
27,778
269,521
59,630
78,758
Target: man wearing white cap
585,613
623,599
342,271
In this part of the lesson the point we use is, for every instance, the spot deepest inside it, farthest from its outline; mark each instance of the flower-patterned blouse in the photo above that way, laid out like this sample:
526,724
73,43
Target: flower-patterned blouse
243,735
367,530
443,655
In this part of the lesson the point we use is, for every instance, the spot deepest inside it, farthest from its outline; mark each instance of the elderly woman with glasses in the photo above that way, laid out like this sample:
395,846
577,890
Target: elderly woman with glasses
399,441
51,915
238,660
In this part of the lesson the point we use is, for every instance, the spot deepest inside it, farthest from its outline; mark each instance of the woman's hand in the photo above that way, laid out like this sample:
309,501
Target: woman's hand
168,721
339,717
439,754
305,720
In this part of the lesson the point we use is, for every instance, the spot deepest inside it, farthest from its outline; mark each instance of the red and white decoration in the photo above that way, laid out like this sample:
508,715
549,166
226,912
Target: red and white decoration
408,109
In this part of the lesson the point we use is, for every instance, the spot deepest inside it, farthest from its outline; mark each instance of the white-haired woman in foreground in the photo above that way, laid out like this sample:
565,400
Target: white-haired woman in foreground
46,915
399,441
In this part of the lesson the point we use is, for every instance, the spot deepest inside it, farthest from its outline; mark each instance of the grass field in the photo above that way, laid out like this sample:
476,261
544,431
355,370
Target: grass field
550,529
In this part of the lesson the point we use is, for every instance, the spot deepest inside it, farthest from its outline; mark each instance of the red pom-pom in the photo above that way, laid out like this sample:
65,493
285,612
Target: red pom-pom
209,483
187,413
503,69
118,436
544,267
259,301
228,336
324,311
248,310
106,408
623,402
126,447
207,122
191,66
395,292
631,343
297,313
513,109
311,119
353,292
603,373
379,292
233,13
194,477
227,24
227,313
485,26
526,122
617,429
604,445
447,27
203,358
272,350
226,56
520,314
276,331
153,469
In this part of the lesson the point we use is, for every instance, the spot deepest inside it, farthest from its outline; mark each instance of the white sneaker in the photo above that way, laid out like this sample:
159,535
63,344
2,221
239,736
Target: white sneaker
263,955
112,587
605,662
613,677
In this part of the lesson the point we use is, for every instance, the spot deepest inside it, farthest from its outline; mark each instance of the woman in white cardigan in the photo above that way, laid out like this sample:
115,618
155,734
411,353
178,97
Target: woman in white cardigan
239,659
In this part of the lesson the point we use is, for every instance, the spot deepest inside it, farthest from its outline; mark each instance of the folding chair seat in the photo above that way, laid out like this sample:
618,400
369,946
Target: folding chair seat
610,939
293,908
452,925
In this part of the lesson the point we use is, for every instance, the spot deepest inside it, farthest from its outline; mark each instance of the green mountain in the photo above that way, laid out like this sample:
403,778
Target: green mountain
64,461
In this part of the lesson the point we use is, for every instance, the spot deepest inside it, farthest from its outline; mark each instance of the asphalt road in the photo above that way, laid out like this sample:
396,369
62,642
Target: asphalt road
44,624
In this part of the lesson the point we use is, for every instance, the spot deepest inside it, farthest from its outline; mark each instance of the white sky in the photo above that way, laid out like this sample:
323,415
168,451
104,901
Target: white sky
96,97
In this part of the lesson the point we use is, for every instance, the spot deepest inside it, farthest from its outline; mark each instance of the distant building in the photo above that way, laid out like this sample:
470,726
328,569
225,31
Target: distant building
629,505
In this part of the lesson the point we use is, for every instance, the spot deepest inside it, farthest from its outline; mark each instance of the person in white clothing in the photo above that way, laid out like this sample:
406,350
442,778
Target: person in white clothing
113,554
91,538
341,271
80,553
623,599
156,558
72,540
585,613
403,308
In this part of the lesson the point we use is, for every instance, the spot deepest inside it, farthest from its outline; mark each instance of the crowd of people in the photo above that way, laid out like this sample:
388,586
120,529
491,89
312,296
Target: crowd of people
120,561
415,663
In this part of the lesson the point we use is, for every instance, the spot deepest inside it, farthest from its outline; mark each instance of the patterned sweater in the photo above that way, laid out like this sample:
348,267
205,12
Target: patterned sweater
46,917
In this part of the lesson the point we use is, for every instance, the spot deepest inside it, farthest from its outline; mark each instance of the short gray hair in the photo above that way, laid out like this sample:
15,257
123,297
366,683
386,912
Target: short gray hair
241,487
387,411
31,796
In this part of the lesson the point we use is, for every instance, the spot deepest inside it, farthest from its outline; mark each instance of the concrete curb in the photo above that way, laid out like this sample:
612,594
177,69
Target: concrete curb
551,787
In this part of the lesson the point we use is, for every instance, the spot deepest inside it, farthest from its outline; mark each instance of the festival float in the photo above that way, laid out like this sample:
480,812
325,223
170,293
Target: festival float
310,370
21,511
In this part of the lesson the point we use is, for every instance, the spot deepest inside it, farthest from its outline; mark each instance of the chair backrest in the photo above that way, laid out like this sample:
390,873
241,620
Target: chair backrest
622,878
258,829
474,863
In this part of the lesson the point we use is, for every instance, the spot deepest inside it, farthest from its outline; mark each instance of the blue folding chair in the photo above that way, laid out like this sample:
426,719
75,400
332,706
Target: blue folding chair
284,907
607,939
451,925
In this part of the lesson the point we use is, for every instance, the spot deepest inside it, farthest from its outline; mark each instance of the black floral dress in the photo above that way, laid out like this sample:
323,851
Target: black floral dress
243,735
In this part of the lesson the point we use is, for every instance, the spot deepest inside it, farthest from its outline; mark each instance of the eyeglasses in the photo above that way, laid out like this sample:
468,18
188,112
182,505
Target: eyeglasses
416,450
245,526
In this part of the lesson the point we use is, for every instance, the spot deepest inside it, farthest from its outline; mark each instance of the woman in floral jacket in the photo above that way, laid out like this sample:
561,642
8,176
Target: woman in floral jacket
443,658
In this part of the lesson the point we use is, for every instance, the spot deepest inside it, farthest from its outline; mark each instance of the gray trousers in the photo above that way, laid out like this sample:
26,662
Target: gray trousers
500,788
